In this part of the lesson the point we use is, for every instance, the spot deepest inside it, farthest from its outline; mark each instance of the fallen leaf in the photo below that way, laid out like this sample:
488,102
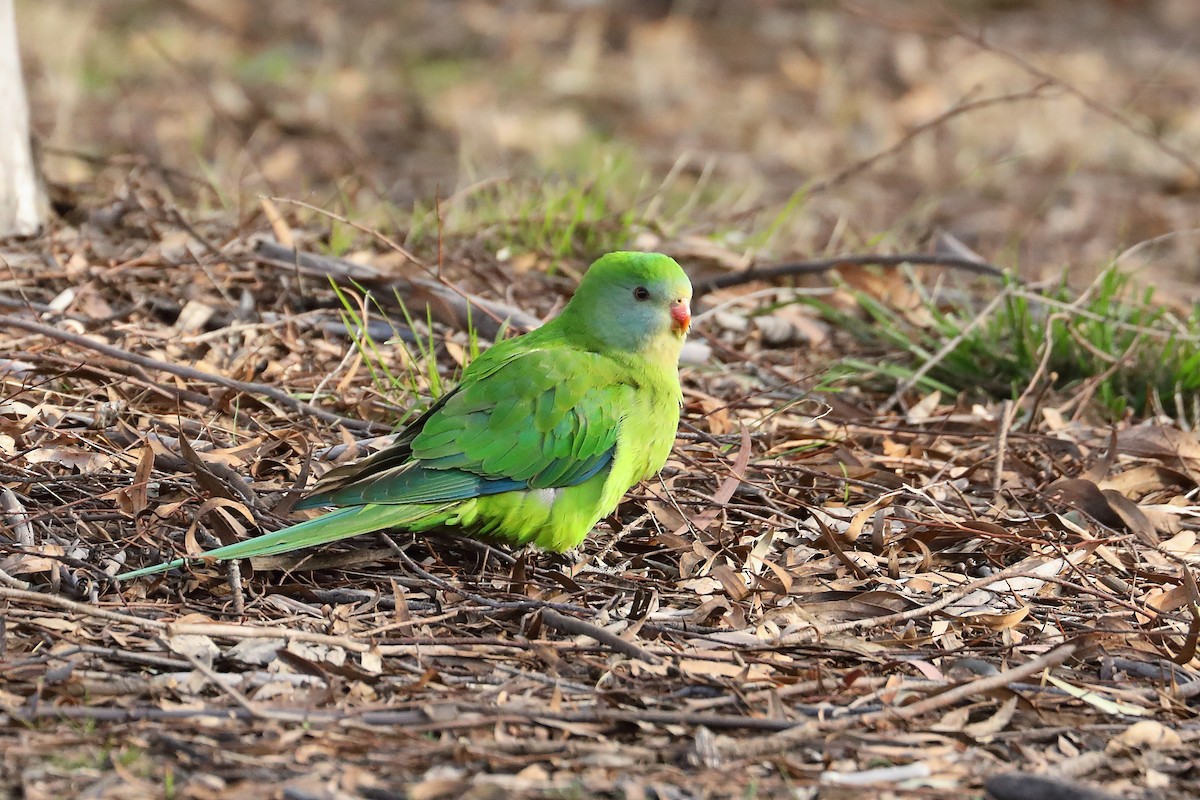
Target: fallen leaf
1092,698
1145,734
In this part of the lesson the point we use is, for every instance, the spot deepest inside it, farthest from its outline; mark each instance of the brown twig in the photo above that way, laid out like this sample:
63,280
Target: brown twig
449,298
204,669
577,627
190,373
414,722
820,265
929,609
964,107
439,281
788,739
946,349
1095,105
1008,411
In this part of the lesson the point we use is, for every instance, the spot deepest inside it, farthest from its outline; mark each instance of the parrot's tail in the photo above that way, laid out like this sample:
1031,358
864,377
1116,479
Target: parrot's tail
331,527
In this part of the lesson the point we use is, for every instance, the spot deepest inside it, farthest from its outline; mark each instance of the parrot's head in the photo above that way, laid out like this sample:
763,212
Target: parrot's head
638,302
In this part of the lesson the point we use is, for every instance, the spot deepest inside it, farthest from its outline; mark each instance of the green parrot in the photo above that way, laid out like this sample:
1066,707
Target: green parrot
540,440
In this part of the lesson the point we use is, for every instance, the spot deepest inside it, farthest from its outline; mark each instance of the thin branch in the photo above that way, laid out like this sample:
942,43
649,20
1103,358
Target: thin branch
438,283
575,626
450,298
413,722
821,265
810,634
950,346
964,107
1095,105
788,739
190,373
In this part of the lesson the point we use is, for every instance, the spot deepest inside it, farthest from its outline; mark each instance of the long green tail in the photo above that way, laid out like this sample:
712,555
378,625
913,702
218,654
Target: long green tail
331,527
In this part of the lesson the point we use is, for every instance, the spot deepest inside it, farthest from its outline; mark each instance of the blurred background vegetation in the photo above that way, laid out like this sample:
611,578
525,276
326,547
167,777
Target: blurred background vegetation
1059,140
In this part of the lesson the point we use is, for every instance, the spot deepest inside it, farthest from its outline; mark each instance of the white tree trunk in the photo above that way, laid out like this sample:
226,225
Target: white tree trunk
23,204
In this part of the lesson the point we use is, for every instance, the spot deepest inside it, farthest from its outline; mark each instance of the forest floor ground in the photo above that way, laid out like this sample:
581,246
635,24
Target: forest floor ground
848,579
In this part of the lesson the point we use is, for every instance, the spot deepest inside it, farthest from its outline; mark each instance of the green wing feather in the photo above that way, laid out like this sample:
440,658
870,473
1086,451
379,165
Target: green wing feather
537,419
545,418
340,524
523,417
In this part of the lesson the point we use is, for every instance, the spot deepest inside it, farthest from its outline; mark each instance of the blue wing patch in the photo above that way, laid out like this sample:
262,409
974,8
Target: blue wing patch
414,483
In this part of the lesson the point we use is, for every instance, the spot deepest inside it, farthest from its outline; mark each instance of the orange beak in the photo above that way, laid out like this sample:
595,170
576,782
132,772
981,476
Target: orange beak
681,317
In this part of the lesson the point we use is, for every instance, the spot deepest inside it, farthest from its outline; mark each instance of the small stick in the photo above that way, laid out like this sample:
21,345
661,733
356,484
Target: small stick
807,635
189,373
1007,411
820,265
787,739
218,684
1175,153
233,573
941,354
575,626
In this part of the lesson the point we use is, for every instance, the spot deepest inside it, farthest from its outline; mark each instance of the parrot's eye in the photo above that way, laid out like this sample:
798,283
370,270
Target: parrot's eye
641,294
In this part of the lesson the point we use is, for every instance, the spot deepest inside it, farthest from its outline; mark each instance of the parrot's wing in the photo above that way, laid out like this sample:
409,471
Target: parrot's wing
536,419
397,454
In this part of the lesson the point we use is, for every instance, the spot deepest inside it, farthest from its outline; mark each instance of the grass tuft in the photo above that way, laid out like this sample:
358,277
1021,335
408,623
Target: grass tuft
417,383
1112,346
559,215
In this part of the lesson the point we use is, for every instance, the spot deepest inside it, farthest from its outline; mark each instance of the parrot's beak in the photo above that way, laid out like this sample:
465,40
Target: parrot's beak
681,317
